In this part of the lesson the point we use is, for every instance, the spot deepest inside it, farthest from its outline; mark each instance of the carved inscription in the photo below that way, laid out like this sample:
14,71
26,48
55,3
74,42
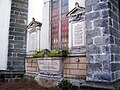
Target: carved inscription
33,41
78,34
49,65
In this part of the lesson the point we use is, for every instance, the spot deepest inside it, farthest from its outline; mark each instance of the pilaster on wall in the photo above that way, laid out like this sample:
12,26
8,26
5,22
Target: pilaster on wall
102,38
17,36
114,27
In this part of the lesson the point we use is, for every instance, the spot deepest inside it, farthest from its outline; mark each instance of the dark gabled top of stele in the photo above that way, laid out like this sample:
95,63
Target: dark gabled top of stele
75,9
36,23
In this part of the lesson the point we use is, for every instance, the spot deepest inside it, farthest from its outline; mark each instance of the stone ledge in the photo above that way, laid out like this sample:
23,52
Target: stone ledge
77,55
97,86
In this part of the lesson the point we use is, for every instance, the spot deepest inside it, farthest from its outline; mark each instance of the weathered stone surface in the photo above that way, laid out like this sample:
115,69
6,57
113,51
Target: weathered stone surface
98,67
17,37
105,13
105,31
93,33
102,49
91,2
90,58
115,66
100,6
102,58
103,0
101,23
88,9
106,49
101,40
47,82
89,25
102,76
93,49
92,16
115,49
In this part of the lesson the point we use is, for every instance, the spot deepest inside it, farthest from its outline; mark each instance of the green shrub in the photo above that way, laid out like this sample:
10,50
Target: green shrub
51,53
66,85
38,54
117,85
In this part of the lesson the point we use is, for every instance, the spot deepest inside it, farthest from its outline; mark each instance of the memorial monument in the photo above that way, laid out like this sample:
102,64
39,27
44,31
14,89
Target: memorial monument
92,39
33,37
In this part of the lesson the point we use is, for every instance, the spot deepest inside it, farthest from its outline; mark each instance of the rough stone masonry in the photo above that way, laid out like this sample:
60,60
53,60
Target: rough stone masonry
17,39
103,40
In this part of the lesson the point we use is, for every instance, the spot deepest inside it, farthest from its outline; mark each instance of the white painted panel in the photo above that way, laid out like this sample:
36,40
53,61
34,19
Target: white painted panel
45,43
5,7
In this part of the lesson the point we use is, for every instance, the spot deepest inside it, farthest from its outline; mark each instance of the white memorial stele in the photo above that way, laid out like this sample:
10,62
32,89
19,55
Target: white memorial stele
33,37
76,17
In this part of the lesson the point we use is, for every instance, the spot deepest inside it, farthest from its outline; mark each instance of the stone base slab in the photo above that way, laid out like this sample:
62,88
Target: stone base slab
47,82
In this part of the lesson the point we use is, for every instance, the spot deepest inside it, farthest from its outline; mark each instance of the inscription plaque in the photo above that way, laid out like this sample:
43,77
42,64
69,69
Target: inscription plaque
33,41
78,34
49,65
50,68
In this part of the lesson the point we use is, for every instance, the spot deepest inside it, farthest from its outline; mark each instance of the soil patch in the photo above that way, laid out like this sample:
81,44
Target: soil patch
23,85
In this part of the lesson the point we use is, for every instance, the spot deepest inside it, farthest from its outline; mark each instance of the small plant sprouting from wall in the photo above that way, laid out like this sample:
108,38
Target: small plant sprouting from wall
51,53
67,85
117,85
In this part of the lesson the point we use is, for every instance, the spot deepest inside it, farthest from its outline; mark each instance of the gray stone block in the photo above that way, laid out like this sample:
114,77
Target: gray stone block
105,31
106,49
17,33
115,24
115,9
101,40
98,67
90,67
91,2
103,0
11,37
106,66
19,9
102,58
115,66
89,41
114,49
101,23
92,33
105,13
114,2
89,76
117,74
88,25
20,1
103,76
100,6
11,29
19,38
21,29
88,9
93,49
90,59
92,16
112,15
117,58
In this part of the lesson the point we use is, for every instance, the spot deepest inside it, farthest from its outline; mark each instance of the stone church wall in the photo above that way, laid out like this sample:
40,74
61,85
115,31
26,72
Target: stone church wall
17,40
102,37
